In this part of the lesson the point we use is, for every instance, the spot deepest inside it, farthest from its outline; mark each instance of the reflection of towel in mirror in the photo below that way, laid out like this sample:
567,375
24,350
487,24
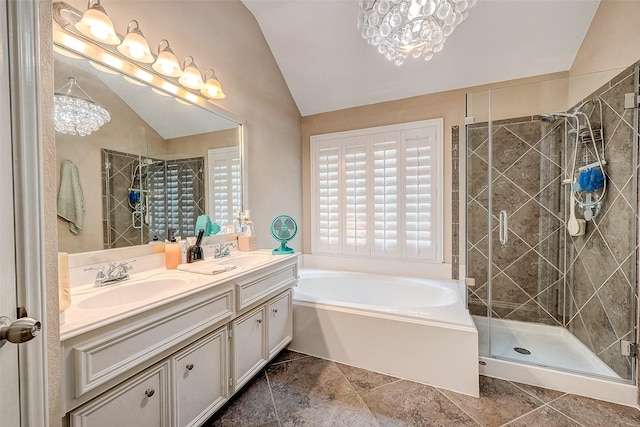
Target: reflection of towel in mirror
70,197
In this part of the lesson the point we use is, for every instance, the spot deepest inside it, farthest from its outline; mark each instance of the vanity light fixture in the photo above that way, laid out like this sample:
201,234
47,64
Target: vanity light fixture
212,88
134,45
167,63
191,77
75,112
91,35
96,24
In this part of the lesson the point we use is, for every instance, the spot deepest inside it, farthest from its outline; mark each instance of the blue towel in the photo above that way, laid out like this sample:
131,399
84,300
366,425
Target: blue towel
70,197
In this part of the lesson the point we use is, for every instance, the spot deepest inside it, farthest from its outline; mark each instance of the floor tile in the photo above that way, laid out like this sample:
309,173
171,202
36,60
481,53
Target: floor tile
314,392
544,394
286,355
596,413
251,407
363,380
543,417
405,403
499,402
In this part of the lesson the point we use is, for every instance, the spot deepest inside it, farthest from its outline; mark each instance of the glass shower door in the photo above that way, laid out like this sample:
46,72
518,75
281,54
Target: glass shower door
526,238
543,296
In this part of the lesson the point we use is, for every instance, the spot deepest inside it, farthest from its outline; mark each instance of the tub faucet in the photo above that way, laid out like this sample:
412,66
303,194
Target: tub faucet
117,272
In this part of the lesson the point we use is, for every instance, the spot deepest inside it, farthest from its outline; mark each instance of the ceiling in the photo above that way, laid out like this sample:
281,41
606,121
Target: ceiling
328,66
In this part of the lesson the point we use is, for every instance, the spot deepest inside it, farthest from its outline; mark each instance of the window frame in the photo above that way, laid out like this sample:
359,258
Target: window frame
340,142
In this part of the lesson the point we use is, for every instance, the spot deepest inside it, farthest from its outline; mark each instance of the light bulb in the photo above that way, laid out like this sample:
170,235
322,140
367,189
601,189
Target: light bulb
100,31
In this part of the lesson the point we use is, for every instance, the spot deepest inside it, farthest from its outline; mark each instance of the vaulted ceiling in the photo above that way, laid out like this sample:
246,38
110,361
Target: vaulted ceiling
328,66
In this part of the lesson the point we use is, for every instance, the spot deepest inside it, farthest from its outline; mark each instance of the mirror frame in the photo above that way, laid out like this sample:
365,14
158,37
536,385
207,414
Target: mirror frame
66,37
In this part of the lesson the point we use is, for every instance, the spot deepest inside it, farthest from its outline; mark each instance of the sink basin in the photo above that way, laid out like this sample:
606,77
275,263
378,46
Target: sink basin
128,292
245,260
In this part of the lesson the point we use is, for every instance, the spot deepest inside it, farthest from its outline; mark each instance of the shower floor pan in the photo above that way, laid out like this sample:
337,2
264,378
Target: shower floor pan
541,345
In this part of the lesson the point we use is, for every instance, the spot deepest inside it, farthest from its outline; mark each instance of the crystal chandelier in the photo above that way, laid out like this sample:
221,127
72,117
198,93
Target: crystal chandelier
419,28
75,112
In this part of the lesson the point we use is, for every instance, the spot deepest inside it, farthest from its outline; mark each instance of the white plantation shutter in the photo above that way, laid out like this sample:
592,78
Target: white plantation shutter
171,194
327,208
386,169
375,192
355,196
419,193
225,199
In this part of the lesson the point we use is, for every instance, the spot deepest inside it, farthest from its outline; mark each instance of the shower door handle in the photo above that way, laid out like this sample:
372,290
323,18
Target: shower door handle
504,234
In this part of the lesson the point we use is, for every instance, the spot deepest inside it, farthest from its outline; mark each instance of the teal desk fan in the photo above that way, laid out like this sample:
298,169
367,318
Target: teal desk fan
283,229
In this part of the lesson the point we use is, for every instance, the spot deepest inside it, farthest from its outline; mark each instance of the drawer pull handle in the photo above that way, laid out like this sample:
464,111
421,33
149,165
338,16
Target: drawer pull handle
275,310
189,366
149,392
259,321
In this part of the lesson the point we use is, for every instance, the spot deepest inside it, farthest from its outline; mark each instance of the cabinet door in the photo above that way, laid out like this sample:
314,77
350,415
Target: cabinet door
279,322
200,378
141,401
249,345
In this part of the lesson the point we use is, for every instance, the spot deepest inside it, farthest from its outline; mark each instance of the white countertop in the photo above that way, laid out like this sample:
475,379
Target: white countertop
148,289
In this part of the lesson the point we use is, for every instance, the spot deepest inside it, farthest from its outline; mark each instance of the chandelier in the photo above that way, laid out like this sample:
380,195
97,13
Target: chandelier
74,111
419,28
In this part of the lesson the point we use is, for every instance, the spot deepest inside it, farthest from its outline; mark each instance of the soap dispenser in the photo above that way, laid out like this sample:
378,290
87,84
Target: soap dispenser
172,252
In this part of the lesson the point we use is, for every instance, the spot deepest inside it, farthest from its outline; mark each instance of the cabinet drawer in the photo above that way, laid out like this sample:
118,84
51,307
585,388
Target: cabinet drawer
111,354
279,322
142,401
200,379
254,290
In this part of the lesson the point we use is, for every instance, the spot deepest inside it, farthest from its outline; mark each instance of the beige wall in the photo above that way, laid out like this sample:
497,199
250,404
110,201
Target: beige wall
611,45
126,132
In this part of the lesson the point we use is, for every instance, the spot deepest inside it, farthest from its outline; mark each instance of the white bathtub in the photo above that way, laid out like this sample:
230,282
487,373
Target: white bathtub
410,328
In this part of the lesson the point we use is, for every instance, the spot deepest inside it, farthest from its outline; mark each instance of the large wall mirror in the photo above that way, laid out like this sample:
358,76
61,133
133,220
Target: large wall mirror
158,164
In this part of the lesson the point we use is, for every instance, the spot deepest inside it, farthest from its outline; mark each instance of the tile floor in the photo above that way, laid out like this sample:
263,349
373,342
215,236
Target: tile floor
299,390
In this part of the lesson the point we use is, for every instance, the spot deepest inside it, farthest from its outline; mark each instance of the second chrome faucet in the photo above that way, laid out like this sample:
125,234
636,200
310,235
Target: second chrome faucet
116,272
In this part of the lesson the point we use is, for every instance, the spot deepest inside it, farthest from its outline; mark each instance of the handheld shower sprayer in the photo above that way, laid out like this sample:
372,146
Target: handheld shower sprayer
586,133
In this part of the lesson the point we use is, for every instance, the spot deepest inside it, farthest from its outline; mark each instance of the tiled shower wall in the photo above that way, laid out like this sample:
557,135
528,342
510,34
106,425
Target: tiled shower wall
118,230
176,198
596,303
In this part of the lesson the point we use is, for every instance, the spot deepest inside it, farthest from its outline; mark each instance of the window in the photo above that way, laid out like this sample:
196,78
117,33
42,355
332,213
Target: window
376,192
225,191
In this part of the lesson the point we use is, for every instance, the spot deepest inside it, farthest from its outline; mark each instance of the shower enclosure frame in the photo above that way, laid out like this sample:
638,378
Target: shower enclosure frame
491,228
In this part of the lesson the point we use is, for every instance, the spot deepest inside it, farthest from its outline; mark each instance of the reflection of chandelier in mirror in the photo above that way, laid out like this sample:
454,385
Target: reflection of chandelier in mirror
96,26
75,112
399,28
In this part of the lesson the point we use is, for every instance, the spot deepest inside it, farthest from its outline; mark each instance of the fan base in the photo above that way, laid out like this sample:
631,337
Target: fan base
283,249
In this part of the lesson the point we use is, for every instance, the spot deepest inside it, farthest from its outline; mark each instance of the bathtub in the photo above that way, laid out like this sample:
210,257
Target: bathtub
409,328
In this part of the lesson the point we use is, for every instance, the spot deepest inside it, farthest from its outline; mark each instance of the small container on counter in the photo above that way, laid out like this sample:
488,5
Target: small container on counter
173,254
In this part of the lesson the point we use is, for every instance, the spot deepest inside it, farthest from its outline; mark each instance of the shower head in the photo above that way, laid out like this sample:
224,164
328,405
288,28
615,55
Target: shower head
552,117
149,162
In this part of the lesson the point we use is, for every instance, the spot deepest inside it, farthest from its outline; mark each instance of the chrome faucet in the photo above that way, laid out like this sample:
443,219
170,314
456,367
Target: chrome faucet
221,251
117,272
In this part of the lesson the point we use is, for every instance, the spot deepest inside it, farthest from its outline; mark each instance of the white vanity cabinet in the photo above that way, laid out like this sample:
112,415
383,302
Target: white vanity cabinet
279,322
259,335
144,398
199,378
177,363
249,345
